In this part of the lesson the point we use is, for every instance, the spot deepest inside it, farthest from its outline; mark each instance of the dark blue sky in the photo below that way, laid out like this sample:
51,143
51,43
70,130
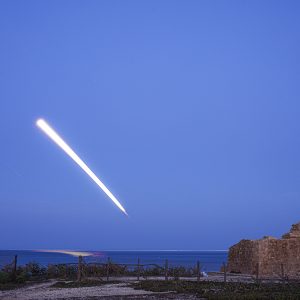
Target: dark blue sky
187,110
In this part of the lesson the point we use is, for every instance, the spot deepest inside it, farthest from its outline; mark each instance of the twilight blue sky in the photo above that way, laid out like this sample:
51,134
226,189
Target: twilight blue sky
187,110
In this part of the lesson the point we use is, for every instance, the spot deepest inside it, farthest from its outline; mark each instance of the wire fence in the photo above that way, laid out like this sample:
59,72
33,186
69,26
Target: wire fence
81,268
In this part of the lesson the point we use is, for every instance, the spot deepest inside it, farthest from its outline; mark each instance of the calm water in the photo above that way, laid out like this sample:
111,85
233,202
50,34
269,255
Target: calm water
209,260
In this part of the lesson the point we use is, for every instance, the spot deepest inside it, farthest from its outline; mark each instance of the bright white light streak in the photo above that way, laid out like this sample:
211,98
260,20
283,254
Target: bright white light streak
42,124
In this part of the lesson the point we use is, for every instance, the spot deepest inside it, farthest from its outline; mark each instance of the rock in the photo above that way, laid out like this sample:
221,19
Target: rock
294,232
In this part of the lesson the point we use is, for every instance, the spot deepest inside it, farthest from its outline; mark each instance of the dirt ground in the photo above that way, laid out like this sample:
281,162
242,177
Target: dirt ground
116,291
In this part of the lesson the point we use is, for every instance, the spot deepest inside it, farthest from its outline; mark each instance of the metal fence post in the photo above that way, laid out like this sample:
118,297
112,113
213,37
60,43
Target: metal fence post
138,269
198,271
107,269
257,271
282,271
79,268
225,272
15,267
166,270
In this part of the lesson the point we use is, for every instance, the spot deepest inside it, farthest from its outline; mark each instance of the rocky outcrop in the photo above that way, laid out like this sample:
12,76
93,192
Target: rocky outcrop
268,256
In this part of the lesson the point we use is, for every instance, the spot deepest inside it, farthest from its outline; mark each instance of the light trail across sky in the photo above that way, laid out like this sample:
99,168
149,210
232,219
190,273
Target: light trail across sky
50,132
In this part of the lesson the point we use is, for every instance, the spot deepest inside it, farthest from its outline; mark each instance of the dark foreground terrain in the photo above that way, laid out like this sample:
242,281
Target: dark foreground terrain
149,289
220,290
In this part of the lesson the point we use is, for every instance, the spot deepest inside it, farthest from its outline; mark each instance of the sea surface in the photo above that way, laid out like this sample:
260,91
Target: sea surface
209,260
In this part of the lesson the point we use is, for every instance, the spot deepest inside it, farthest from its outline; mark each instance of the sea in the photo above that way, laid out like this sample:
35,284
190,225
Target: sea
209,260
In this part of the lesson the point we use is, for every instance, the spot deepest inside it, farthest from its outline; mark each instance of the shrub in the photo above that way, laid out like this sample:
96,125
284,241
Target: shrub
4,277
35,269
22,277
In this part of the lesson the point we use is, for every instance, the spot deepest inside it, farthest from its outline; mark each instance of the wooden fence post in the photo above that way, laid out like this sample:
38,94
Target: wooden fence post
138,277
225,272
166,270
198,271
282,271
107,269
79,268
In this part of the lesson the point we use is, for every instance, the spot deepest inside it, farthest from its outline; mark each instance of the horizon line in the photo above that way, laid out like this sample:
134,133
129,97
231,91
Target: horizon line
168,250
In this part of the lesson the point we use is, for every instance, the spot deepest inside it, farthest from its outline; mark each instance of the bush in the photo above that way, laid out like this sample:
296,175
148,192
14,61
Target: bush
4,277
22,277
156,271
35,269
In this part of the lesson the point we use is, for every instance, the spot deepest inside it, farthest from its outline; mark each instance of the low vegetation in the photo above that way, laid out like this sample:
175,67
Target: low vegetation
220,290
66,274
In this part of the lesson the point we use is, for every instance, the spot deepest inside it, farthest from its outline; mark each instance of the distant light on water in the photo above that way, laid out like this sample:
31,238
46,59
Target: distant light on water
50,132
69,252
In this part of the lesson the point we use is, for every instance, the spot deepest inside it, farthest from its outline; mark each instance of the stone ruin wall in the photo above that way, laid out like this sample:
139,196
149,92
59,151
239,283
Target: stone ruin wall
268,256
242,257
280,257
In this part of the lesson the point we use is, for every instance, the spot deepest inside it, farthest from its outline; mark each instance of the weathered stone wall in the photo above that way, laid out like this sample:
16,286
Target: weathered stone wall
268,256
242,257
280,257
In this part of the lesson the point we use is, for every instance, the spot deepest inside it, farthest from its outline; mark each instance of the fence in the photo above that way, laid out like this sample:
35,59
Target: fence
139,270
136,271
107,270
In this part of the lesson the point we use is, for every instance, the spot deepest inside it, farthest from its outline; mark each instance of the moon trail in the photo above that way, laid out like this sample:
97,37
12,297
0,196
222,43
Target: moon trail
50,132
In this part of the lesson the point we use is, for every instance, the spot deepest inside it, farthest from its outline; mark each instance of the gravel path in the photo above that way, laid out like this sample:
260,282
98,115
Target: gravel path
45,291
